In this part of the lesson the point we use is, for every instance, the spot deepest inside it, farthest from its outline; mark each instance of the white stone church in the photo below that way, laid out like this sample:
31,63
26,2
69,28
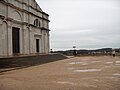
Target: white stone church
24,28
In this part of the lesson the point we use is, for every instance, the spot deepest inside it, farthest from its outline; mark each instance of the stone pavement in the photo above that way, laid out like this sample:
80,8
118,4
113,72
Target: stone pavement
79,73
18,62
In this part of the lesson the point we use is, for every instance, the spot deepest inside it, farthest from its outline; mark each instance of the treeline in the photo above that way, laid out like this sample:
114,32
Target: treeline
103,51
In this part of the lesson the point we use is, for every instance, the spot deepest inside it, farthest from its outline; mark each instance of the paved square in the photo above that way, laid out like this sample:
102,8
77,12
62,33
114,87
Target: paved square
79,73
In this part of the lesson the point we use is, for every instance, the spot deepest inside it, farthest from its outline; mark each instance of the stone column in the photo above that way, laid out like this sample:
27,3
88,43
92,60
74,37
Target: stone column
10,48
26,40
21,41
1,49
32,41
4,38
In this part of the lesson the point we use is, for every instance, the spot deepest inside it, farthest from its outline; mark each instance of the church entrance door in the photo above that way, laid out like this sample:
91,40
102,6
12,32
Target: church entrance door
16,40
37,45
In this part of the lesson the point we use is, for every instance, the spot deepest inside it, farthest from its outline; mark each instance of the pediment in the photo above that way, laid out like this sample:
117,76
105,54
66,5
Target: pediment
35,5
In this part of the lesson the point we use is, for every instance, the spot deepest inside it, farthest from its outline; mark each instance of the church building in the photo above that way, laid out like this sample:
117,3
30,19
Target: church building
24,28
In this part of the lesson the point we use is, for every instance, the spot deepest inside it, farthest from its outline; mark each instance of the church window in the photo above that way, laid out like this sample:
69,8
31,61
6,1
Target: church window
36,23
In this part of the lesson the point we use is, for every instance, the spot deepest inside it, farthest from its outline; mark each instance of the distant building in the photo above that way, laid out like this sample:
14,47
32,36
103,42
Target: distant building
24,28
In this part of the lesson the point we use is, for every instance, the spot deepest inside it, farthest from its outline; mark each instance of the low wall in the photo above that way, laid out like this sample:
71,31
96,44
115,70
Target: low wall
27,61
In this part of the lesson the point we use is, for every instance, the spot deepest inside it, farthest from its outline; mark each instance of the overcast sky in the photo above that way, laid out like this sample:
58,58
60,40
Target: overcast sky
87,24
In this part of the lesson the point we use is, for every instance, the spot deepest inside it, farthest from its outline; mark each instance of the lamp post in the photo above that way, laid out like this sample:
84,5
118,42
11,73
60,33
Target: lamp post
74,51
74,47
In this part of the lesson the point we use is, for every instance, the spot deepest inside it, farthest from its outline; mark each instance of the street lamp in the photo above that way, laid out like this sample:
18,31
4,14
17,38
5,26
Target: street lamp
74,51
74,47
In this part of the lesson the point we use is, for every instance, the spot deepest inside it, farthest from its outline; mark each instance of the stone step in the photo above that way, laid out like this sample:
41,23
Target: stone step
27,61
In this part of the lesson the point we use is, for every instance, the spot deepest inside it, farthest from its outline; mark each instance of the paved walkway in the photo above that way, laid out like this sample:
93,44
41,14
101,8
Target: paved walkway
79,73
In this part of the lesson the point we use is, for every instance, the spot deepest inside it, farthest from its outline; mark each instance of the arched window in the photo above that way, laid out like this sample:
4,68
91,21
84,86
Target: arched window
37,23
34,23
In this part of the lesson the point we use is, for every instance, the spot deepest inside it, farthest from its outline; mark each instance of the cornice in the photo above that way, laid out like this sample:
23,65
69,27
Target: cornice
43,28
24,23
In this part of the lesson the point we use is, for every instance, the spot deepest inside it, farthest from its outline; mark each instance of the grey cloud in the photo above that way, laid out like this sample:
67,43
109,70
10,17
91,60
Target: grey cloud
84,23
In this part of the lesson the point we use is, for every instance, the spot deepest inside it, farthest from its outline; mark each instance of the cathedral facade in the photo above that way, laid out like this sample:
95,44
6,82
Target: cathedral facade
24,28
